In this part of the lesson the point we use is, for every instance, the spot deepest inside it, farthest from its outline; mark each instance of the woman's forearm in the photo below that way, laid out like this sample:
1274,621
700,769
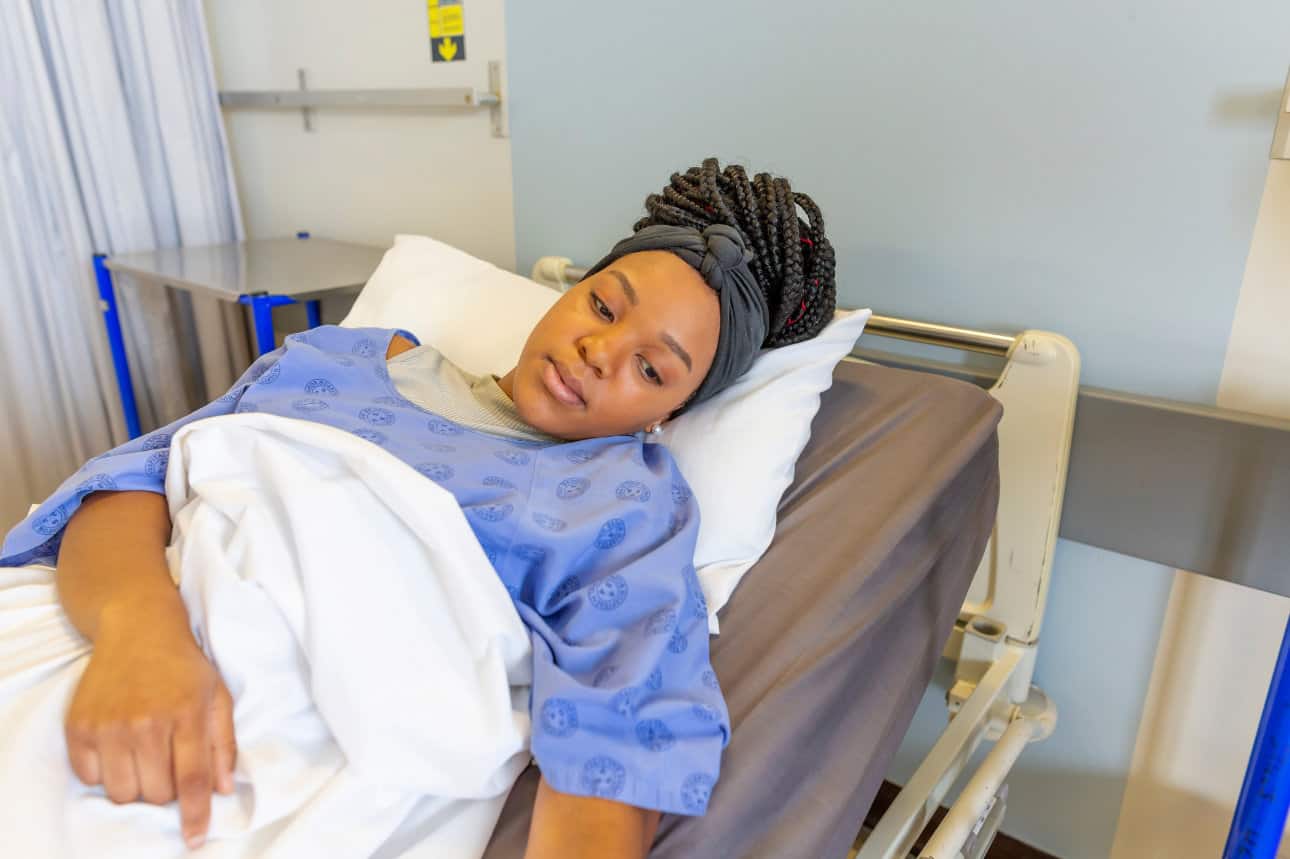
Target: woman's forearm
579,827
112,564
150,718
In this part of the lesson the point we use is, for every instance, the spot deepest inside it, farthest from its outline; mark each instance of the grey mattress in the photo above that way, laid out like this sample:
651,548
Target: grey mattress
829,641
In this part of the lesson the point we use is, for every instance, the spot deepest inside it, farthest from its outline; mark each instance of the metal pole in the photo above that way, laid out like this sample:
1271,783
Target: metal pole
112,321
1260,816
902,329
262,311
940,335
441,98
313,309
908,814
948,839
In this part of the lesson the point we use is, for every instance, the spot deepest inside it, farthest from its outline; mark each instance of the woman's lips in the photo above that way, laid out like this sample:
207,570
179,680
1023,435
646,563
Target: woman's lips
559,388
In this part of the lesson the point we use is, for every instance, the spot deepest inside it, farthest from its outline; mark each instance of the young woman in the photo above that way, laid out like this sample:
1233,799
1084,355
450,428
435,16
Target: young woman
591,529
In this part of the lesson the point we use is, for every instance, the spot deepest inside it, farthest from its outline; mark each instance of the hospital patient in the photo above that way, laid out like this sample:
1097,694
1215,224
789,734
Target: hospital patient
591,529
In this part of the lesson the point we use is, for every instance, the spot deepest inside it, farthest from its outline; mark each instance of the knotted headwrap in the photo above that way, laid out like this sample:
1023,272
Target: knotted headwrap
719,255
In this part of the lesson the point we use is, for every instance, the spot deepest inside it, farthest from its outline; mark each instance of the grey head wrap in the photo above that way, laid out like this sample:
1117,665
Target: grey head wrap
719,255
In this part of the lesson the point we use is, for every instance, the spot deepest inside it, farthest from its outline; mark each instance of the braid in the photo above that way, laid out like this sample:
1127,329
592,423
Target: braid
793,260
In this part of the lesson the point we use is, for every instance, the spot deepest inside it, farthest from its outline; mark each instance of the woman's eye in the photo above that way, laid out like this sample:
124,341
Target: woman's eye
602,309
650,373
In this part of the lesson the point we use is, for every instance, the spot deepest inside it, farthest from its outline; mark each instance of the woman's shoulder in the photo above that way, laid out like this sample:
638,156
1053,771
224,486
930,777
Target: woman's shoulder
362,342
398,345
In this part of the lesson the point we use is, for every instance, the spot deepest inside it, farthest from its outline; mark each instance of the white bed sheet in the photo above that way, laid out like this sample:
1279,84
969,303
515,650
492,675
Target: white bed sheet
378,666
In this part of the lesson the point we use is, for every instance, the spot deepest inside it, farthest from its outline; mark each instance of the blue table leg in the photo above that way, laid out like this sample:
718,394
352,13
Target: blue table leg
262,313
112,321
1260,816
313,310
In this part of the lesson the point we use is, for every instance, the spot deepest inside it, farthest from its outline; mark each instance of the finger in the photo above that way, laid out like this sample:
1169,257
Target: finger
192,757
223,742
82,754
120,781
152,762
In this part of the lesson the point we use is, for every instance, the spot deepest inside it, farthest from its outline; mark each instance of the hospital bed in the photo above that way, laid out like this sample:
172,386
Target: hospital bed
920,525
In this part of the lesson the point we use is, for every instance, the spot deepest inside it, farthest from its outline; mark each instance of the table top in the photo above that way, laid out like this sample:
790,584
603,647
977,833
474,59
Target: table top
298,268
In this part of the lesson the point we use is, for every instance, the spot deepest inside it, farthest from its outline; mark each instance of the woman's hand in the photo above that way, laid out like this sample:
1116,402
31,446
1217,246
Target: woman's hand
152,720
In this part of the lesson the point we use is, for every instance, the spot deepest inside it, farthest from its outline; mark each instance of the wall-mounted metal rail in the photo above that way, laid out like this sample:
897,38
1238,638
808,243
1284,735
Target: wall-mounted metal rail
433,98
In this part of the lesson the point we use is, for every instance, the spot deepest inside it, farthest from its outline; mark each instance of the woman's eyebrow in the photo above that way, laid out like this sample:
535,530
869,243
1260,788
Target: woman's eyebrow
668,339
677,348
628,289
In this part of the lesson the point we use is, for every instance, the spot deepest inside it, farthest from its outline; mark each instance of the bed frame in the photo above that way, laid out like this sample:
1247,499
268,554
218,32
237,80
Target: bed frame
996,637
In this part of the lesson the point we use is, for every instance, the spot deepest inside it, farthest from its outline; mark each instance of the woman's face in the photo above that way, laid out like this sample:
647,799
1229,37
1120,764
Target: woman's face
619,351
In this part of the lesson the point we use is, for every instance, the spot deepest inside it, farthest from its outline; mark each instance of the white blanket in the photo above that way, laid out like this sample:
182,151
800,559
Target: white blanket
378,666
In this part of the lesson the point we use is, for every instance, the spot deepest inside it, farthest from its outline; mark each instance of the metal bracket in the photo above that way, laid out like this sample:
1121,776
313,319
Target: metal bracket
553,272
982,642
306,114
497,110
977,645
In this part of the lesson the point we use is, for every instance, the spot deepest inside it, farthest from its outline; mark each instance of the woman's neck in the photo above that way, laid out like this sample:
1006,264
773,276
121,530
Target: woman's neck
507,384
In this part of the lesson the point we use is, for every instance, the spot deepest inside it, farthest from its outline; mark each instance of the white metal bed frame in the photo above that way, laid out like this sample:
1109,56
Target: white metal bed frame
996,637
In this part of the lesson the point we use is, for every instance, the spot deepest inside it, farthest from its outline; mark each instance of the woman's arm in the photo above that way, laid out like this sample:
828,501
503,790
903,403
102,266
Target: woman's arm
112,560
398,345
150,718
574,827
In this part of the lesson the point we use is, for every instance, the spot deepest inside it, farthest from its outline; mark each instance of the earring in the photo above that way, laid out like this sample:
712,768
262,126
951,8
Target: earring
657,429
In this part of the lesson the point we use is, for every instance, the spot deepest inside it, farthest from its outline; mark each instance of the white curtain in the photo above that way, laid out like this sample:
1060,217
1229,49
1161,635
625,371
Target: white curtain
110,141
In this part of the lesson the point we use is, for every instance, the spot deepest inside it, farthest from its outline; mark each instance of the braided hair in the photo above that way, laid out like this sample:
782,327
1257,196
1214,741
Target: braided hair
793,259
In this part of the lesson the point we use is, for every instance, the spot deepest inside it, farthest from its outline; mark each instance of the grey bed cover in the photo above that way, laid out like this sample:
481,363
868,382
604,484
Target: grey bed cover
829,641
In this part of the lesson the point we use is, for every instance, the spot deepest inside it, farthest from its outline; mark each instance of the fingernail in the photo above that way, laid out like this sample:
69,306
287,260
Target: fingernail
194,841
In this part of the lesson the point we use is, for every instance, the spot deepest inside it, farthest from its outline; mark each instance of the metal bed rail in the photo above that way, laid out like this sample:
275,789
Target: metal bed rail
986,342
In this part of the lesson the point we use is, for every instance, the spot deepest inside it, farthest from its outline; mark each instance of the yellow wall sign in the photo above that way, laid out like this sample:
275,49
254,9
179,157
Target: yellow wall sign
447,31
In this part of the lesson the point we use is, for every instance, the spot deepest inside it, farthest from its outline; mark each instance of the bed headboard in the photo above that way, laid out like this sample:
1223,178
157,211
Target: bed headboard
1038,388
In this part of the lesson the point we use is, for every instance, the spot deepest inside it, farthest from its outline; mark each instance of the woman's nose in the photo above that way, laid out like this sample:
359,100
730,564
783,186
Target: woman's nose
597,352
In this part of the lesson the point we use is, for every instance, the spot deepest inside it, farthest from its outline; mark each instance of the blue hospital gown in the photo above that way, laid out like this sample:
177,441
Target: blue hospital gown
594,540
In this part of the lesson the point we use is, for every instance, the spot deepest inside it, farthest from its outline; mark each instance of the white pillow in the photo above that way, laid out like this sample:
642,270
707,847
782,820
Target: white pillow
737,450
478,315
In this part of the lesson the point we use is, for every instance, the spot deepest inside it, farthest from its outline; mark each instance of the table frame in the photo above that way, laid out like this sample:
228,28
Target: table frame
261,305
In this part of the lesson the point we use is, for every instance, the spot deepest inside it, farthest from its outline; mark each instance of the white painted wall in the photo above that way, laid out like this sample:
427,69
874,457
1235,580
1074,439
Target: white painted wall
1217,651
364,175
1256,374
1219,642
